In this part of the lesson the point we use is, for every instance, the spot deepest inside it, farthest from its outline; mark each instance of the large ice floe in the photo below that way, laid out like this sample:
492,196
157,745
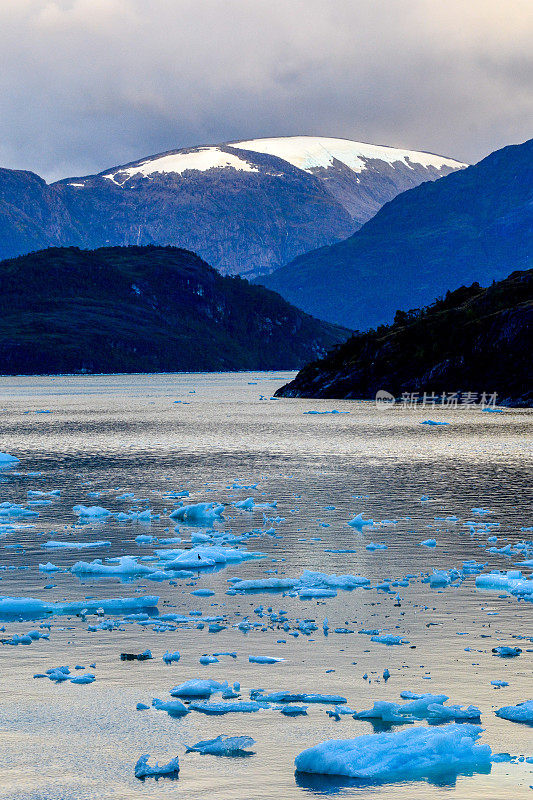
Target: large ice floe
411,754
32,608
522,712
198,513
419,706
308,585
511,581
7,460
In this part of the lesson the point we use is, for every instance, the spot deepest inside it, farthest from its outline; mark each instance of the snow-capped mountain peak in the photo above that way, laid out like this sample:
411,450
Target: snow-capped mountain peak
315,152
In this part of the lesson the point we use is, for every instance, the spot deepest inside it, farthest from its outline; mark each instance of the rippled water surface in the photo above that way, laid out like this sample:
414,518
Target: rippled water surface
208,434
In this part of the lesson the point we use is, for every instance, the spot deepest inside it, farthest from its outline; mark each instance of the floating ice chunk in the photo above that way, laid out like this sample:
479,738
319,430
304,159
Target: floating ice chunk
242,706
203,593
499,684
74,545
410,754
433,422
95,512
224,746
249,505
174,708
198,688
37,493
198,513
359,522
264,659
205,660
144,770
511,581
6,460
31,608
371,546
296,697
440,713
429,543
505,651
124,565
49,567
294,711
522,712
388,638
169,657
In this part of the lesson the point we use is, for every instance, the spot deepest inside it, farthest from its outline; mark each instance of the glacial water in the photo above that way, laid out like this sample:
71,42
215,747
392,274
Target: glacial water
152,435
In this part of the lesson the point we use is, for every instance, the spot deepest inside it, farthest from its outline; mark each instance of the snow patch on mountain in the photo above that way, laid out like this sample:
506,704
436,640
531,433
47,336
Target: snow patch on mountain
312,152
201,159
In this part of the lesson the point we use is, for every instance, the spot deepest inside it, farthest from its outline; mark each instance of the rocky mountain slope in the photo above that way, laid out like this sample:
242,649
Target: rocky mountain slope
474,340
473,225
145,309
245,207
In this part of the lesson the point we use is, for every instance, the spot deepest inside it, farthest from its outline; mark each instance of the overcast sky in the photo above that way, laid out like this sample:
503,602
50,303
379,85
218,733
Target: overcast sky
87,84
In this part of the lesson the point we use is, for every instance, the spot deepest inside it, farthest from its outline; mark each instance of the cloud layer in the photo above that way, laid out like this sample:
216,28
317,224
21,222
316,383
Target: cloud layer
86,84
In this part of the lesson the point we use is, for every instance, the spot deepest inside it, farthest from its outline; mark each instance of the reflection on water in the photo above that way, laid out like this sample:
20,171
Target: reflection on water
210,434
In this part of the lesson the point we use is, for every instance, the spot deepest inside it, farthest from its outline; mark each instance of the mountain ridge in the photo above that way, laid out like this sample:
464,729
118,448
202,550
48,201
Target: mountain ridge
473,224
243,210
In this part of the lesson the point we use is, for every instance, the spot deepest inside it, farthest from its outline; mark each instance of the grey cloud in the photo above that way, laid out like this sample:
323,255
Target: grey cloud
85,84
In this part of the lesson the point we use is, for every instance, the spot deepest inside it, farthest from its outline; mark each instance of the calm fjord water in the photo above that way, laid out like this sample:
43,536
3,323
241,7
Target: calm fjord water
120,434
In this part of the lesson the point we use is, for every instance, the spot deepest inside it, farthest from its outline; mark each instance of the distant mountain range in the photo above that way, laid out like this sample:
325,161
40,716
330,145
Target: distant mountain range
145,309
473,225
472,341
245,207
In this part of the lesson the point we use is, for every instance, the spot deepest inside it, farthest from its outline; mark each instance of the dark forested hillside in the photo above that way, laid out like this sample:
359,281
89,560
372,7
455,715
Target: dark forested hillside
473,340
143,309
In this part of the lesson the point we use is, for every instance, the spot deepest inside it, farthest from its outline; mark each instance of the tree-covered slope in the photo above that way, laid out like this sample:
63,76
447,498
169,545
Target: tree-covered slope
473,340
142,309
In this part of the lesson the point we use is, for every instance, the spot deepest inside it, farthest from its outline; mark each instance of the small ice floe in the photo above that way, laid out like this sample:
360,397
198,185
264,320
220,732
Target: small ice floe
216,709
137,516
61,674
264,660
198,513
511,581
429,543
388,638
53,544
174,708
123,565
198,688
37,493
411,754
333,411
296,697
32,608
144,770
92,512
308,581
203,593
522,712
433,422
224,746
16,510
294,711
205,660
7,460
359,522
504,651
169,657
499,684
371,546
249,505
49,567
